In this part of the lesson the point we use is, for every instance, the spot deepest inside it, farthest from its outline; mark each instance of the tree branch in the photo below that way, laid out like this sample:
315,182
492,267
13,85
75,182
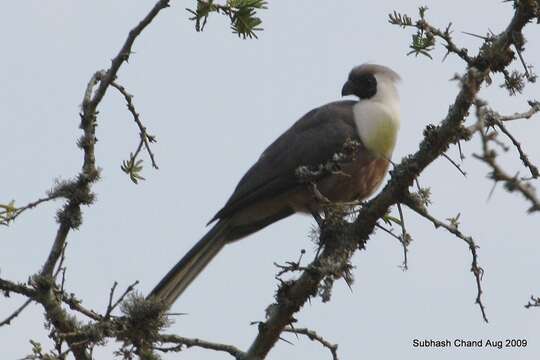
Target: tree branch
9,286
10,212
414,203
123,55
189,342
513,183
145,138
16,313
313,336
534,302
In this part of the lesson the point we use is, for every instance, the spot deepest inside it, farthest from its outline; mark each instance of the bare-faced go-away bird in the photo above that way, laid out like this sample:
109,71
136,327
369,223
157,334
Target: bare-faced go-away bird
271,190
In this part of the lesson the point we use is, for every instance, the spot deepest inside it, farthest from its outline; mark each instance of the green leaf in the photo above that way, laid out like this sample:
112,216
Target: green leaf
133,168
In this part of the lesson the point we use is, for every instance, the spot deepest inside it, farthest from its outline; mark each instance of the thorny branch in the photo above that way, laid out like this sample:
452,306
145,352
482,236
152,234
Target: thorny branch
534,109
487,117
183,342
513,183
313,336
424,40
414,203
524,158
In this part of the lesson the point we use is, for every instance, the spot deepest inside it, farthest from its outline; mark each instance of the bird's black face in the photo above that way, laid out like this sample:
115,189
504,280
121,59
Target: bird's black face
363,85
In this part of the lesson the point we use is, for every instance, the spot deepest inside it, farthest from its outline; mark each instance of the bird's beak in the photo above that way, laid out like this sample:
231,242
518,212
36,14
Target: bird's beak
347,88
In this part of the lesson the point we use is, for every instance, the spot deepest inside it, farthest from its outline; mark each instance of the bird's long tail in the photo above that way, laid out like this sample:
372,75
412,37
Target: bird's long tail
191,265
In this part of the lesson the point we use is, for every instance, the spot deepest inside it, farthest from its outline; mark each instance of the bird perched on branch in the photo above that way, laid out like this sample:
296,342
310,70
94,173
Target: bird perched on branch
271,189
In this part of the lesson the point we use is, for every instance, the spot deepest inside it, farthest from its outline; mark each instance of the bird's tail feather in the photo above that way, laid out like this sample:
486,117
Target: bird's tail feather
191,265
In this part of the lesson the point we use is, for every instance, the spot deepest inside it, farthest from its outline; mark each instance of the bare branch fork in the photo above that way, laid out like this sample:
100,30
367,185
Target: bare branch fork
486,117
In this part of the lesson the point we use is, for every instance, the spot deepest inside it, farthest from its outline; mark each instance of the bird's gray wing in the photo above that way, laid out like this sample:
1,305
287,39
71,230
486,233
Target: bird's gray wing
311,141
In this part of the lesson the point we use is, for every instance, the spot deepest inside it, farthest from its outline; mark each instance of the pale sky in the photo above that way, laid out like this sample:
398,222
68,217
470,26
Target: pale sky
214,103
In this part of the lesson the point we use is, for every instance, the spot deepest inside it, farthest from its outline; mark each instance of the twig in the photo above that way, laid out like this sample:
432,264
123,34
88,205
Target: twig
16,313
310,174
190,342
110,306
124,53
291,266
524,158
431,32
389,232
485,38
9,213
534,302
488,117
145,137
404,239
415,204
457,166
75,304
129,289
512,182
312,335
535,108
520,55
461,156
484,114
61,262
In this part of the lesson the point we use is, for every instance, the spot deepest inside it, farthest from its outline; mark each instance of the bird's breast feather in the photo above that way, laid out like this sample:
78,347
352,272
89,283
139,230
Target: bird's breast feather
377,126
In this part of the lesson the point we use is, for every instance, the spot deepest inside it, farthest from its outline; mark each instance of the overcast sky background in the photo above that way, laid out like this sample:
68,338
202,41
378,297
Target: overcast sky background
215,102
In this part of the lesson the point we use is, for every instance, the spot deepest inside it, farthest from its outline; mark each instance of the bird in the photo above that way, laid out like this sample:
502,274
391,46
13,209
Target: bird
270,190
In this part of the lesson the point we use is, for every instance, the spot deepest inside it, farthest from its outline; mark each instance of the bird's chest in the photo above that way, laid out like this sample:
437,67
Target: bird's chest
358,180
377,126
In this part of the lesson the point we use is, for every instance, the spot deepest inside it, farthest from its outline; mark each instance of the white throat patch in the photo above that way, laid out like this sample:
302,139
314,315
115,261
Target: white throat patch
377,119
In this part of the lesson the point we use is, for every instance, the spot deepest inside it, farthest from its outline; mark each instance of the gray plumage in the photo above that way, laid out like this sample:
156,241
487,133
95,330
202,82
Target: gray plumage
271,190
